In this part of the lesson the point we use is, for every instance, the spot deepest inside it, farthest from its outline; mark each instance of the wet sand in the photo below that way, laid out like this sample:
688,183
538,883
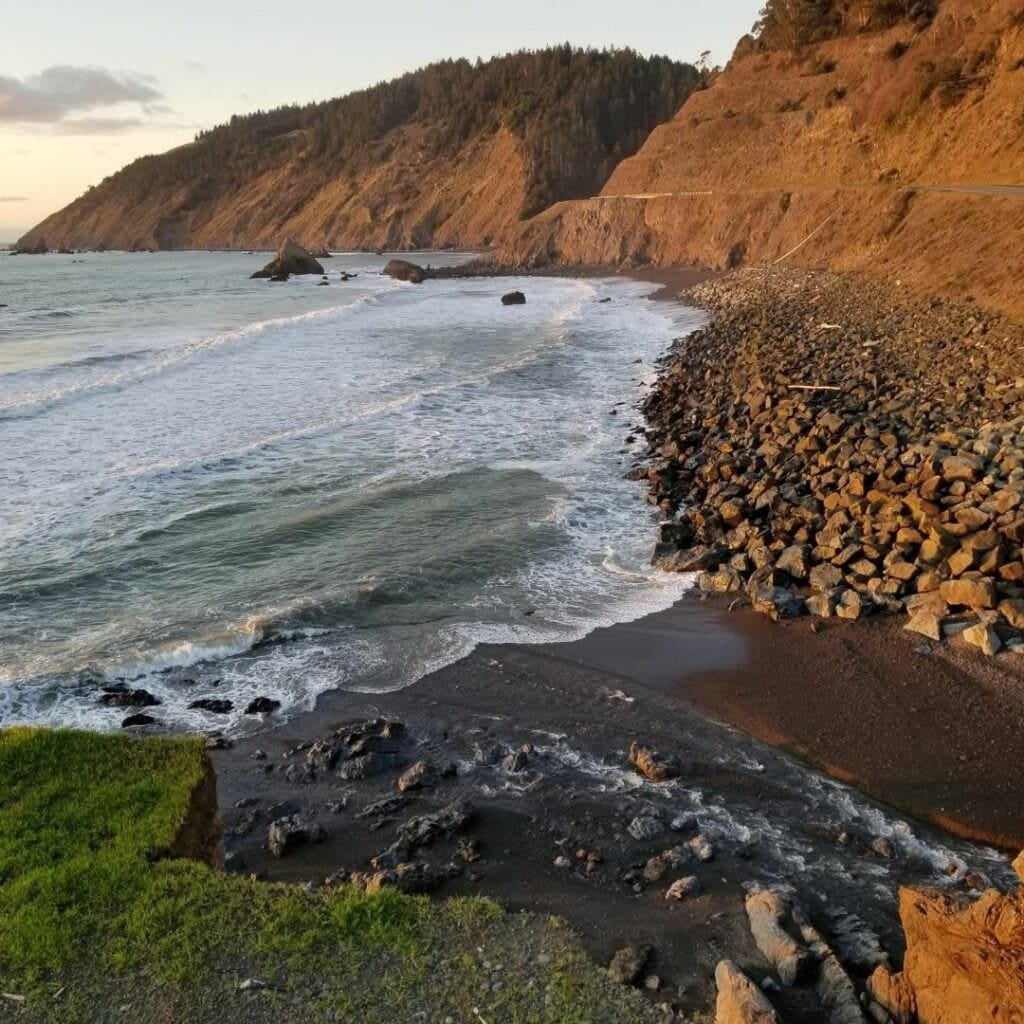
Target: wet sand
928,733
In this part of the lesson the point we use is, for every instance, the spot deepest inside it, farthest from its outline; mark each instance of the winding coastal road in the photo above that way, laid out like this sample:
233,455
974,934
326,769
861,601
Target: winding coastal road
980,190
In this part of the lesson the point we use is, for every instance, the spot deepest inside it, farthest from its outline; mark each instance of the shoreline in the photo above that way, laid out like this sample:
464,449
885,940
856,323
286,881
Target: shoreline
884,677
840,700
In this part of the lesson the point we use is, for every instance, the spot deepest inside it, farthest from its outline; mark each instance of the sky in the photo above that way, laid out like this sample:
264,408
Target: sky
87,87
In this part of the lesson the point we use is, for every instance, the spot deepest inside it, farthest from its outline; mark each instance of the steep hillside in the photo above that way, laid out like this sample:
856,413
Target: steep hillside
453,154
870,150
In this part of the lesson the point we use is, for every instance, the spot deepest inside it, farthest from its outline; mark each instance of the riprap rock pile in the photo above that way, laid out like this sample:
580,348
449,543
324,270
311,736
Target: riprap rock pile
827,446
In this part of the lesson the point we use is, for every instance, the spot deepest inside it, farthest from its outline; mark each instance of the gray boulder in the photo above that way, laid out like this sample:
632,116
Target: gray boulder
285,834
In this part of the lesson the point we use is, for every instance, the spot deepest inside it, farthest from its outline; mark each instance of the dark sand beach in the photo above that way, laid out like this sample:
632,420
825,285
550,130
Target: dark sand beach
858,701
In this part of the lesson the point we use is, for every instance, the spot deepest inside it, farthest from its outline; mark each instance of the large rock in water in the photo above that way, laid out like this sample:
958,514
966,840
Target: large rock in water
291,258
403,270
965,958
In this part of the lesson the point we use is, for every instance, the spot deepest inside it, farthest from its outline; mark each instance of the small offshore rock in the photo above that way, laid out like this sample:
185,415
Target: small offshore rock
135,721
122,697
262,706
403,270
291,258
213,705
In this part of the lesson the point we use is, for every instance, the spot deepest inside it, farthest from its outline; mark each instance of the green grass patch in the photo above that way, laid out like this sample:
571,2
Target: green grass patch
94,916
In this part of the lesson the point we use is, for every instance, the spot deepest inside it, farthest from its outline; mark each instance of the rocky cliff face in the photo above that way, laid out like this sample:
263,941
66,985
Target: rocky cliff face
871,151
965,959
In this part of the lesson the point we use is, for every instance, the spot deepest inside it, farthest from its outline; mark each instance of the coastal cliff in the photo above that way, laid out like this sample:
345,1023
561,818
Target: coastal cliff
453,155
894,151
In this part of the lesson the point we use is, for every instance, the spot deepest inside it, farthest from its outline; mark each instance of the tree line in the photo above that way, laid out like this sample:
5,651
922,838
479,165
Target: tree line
790,24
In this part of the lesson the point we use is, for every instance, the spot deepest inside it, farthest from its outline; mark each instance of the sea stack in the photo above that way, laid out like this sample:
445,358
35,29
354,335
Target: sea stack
291,258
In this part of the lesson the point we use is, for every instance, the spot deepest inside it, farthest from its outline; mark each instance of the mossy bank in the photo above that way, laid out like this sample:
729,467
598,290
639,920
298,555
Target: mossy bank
102,920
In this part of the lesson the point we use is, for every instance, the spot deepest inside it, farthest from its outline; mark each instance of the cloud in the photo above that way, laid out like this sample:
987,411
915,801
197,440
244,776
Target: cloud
96,125
50,97
13,199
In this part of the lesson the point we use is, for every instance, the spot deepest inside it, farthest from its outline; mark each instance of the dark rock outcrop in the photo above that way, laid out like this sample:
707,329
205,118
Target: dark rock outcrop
629,963
120,696
403,270
262,706
211,704
38,248
285,834
291,258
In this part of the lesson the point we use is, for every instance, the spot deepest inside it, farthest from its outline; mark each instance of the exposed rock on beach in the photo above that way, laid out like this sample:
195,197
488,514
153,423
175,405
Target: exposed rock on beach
403,270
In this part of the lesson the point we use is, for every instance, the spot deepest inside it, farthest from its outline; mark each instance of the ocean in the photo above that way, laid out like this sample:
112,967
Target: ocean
221,488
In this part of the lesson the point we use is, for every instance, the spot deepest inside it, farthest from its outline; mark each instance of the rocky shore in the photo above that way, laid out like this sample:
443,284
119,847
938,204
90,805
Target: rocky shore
561,780
829,446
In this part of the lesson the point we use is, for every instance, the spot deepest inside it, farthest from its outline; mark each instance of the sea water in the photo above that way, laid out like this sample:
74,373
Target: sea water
218,487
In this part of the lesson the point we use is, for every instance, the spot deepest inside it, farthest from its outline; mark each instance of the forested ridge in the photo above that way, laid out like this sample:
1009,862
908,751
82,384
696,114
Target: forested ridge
576,112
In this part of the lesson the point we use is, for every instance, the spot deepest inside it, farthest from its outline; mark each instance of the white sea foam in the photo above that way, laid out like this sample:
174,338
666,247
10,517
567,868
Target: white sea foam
20,404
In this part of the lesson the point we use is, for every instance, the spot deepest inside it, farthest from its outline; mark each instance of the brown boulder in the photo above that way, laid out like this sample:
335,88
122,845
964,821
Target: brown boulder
984,637
927,623
652,765
961,467
740,1001
892,992
969,592
403,270
1012,610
